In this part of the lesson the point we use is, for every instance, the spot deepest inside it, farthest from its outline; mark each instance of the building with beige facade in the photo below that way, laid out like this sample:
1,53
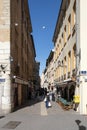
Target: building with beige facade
65,46
50,68
69,39
47,77
44,78
17,53
69,62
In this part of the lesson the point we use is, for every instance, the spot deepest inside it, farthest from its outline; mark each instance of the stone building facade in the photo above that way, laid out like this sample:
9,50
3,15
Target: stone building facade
65,47
70,53
17,53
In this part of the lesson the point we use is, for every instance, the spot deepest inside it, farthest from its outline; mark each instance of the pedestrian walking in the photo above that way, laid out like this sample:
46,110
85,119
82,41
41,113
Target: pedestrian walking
48,102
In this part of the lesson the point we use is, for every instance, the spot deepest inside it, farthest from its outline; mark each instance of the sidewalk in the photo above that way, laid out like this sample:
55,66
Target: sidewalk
55,109
34,115
28,103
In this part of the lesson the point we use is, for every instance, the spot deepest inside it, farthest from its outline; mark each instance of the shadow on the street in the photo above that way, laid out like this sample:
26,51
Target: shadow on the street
33,102
30,102
2,117
81,127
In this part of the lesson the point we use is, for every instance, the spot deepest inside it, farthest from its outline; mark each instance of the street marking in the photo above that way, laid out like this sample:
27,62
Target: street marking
43,109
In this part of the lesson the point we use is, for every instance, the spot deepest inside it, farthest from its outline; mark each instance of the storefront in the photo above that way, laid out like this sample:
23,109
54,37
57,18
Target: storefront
20,91
66,89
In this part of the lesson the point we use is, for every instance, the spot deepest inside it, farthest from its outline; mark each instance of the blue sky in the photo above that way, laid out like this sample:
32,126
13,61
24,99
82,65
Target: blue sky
44,15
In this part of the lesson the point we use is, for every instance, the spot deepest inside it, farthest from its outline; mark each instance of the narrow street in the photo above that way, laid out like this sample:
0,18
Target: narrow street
35,116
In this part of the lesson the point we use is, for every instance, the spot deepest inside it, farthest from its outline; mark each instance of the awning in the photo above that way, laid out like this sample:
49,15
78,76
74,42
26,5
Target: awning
65,83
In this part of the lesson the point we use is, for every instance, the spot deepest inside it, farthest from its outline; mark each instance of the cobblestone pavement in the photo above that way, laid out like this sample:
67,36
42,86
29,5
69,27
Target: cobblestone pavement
36,116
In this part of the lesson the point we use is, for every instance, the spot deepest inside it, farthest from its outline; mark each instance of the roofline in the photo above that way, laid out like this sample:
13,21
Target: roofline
57,23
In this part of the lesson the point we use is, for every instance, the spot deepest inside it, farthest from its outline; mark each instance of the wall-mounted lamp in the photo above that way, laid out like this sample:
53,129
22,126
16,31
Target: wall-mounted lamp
16,24
14,77
3,68
4,64
11,58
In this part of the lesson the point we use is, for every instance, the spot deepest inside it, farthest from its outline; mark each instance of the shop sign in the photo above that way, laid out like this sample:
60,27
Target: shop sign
76,99
83,72
2,80
21,81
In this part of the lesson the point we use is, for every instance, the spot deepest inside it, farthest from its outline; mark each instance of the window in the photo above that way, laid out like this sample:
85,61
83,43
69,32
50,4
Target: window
58,50
74,14
69,26
67,4
73,57
69,61
65,35
60,45
62,40
64,65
